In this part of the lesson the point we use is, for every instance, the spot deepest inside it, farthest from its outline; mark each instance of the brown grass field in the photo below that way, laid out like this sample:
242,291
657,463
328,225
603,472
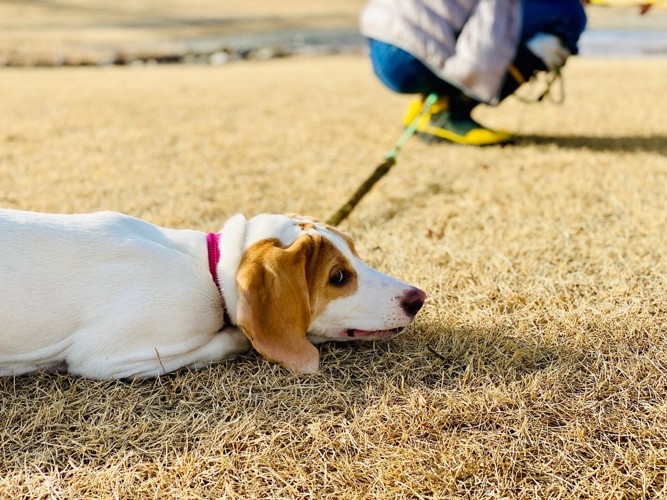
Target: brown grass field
538,367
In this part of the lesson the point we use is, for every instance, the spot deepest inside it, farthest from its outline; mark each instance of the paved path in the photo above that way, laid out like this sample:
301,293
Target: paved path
220,39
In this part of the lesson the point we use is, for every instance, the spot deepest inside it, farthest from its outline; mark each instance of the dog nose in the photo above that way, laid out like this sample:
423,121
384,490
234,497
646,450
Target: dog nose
413,301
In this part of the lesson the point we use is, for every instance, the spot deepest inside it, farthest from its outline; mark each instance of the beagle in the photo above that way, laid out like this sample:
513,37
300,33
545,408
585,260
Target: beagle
106,295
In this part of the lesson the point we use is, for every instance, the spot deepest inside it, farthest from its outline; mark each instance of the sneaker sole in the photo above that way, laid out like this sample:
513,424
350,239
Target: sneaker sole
438,134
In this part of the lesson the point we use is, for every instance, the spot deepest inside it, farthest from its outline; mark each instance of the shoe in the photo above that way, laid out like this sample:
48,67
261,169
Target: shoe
415,107
439,124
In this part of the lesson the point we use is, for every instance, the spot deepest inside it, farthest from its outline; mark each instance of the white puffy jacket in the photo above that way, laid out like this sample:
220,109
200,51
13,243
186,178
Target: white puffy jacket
468,43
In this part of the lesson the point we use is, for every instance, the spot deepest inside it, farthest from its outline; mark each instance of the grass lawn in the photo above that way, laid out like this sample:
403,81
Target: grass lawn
538,366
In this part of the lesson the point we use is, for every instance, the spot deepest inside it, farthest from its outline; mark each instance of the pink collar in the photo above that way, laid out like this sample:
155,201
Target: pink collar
213,244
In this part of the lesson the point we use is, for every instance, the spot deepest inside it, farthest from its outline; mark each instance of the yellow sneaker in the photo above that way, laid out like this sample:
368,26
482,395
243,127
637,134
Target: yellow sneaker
415,107
438,124
467,132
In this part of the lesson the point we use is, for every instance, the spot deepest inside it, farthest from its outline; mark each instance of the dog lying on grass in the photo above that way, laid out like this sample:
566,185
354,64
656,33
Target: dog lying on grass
106,295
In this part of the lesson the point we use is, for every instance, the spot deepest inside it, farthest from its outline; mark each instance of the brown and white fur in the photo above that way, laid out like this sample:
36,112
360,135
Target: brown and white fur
106,295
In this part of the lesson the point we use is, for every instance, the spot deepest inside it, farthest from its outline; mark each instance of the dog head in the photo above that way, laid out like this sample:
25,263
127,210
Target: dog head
301,282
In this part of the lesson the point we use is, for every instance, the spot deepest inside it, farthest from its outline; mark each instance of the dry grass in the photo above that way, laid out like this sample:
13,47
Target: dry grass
538,367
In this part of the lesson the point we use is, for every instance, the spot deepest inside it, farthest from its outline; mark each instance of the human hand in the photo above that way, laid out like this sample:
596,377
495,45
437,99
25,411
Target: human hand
550,49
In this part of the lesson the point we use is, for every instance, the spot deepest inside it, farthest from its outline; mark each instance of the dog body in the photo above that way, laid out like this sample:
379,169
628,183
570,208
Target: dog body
106,295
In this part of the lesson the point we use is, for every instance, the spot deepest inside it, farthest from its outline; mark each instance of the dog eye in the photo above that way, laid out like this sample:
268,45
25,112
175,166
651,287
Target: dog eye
338,277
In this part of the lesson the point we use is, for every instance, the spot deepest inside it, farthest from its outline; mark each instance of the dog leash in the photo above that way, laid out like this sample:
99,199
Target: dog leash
390,158
552,77
382,169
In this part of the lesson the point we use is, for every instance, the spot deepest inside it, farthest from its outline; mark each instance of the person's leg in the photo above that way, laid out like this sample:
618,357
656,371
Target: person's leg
449,119
402,72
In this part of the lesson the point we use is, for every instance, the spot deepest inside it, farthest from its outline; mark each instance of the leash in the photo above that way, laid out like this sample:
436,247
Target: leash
382,169
553,77
390,158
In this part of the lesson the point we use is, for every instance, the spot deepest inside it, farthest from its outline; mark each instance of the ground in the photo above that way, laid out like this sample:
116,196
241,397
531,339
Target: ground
98,32
537,367
49,32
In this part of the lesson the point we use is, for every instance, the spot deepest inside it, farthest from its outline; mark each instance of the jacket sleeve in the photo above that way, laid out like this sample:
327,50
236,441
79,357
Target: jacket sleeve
485,48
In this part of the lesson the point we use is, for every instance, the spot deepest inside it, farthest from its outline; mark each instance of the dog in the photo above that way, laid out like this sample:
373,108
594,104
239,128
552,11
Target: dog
107,295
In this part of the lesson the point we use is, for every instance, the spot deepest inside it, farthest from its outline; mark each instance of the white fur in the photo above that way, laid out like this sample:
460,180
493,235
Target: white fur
107,294
110,296
232,246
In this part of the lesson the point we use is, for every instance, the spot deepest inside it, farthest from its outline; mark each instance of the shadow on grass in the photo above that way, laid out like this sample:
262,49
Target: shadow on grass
631,144
55,422
437,359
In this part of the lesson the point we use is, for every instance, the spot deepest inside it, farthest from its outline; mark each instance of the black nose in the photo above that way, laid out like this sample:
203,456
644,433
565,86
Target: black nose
413,301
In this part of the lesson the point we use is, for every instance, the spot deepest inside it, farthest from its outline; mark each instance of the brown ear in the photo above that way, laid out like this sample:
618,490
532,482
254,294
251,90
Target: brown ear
273,309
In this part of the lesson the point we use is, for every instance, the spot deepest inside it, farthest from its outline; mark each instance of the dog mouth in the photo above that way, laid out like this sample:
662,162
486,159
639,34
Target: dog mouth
352,333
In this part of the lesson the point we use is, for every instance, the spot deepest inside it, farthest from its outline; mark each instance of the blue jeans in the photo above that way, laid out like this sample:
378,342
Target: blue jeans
401,72
563,18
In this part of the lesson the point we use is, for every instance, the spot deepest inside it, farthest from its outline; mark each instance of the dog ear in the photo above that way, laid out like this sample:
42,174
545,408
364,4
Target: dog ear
274,307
